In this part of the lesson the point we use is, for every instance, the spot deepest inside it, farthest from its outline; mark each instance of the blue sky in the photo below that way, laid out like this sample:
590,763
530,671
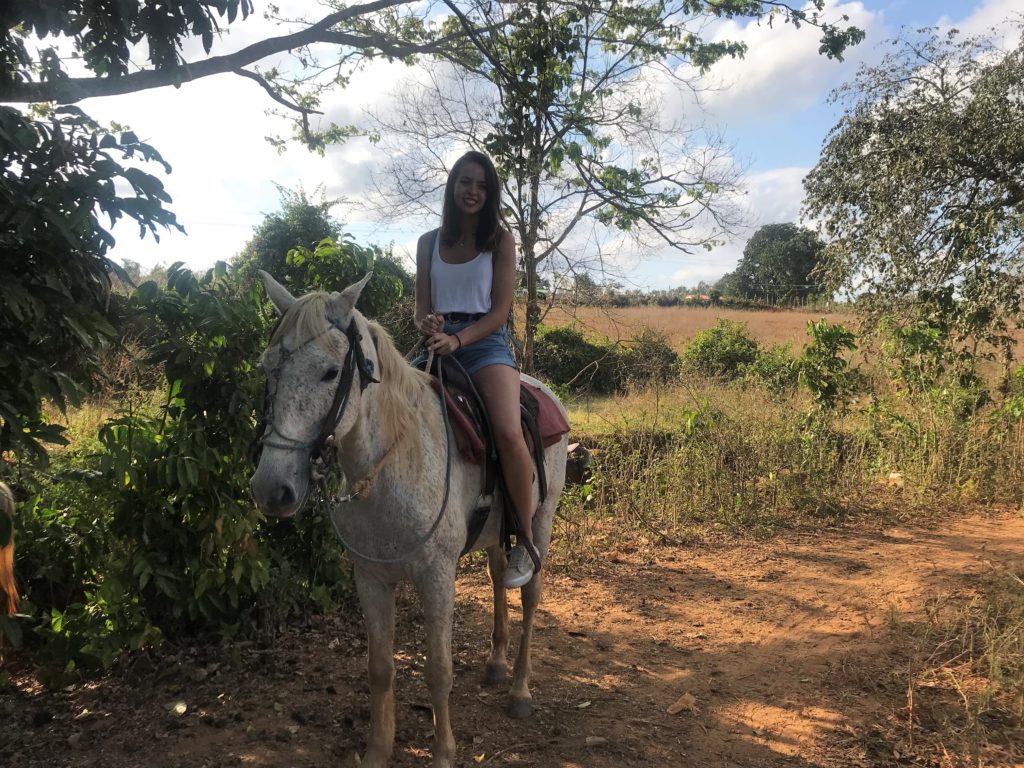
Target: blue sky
795,137
771,107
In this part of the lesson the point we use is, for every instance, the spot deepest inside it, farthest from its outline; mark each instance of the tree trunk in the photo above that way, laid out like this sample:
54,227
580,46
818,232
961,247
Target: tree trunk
530,245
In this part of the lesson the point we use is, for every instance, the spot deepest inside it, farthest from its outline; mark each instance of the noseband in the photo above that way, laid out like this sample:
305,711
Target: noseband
321,448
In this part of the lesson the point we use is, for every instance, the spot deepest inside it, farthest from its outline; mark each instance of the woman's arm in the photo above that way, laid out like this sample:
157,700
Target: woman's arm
424,318
503,288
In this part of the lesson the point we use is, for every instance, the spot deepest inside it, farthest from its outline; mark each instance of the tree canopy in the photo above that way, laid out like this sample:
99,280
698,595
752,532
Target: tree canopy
60,173
920,186
777,264
300,222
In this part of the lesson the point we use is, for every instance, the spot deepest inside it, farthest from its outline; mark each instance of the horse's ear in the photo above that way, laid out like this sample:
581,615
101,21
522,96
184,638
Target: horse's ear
278,294
342,303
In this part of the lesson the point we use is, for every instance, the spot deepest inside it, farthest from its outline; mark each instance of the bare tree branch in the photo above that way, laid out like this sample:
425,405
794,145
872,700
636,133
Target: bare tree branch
70,90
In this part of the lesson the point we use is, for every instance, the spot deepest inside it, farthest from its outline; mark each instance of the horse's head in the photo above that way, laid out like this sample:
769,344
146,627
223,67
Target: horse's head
317,364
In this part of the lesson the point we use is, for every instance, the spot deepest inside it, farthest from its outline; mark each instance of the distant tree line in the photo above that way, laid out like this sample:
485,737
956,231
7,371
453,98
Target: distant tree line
777,269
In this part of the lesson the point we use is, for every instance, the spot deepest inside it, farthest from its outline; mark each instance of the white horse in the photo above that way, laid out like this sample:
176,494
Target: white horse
337,383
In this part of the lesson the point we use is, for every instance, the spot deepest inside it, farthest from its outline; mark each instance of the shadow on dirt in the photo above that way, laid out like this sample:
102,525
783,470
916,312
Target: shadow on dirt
774,654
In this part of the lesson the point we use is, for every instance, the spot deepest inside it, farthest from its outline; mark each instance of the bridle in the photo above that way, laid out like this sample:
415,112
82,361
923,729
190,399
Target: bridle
320,448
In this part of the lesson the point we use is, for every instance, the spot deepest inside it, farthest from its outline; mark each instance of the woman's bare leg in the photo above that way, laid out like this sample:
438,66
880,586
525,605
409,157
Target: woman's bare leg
499,387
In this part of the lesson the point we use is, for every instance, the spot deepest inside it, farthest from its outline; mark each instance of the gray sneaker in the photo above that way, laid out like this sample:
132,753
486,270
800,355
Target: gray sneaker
520,568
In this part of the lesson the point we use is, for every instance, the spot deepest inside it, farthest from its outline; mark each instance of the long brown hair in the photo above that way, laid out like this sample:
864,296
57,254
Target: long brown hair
488,227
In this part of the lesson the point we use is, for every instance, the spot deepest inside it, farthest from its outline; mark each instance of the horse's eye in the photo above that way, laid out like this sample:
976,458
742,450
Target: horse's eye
332,373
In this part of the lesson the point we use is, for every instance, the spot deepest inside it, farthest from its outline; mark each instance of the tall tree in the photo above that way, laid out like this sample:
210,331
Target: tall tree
566,105
920,186
777,264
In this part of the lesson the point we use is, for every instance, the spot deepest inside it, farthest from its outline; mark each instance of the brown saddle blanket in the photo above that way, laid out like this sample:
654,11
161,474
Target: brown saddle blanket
469,432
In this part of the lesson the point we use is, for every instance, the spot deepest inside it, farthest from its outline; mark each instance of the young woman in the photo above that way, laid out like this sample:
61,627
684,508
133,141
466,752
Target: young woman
465,280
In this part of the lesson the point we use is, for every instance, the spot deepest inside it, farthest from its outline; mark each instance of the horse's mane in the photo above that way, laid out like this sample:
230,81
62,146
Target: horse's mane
401,385
401,388
304,320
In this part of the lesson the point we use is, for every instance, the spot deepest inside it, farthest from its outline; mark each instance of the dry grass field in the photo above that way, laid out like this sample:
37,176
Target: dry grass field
679,324
767,327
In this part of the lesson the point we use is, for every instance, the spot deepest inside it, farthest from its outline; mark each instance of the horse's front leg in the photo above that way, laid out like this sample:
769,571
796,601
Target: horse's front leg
497,665
377,598
437,594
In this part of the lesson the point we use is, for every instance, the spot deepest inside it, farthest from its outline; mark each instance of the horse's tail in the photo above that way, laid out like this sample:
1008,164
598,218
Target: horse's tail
8,589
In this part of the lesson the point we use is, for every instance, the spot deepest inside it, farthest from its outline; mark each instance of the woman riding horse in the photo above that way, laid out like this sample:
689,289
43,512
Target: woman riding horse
465,281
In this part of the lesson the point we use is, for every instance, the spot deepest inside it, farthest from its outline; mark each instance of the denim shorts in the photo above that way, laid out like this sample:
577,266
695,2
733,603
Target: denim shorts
492,349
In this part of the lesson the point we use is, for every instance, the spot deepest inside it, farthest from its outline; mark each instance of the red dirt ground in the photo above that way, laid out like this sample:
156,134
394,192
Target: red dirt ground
785,648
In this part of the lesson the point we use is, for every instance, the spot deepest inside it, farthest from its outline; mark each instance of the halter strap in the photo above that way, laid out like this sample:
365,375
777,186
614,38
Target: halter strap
320,446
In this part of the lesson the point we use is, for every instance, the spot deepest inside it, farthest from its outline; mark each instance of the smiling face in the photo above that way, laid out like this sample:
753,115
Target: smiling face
471,188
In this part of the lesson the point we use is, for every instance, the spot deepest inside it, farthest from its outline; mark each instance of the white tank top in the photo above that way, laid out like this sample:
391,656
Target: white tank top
460,287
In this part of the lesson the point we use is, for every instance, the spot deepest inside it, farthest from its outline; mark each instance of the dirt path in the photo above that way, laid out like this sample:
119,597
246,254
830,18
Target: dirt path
784,646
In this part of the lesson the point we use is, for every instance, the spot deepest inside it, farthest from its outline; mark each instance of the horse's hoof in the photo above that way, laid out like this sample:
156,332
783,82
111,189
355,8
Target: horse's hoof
369,760
520,709
495,674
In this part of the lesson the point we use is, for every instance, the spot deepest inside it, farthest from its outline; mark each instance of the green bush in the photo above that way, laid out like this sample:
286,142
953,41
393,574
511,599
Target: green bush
723,351
774,369
647,359
564,356
153,532
823,370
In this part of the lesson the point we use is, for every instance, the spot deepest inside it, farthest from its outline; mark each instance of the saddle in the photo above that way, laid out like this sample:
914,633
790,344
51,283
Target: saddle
543,425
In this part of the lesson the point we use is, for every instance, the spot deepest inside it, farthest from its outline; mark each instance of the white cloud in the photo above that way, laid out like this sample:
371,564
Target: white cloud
212,132
990,14
773,197
782,72
703,268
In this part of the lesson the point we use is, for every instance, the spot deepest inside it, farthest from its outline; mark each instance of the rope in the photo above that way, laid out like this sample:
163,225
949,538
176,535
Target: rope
361,489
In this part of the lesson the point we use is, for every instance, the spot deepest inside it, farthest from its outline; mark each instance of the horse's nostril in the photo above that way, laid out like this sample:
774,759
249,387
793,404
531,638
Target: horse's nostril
286,496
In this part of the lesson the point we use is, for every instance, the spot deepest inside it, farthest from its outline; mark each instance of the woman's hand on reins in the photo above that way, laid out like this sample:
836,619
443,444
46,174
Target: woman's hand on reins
443,343
431,324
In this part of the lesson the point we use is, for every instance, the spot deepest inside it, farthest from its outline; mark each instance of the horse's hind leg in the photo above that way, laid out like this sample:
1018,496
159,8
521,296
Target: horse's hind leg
521,702
497,665
378,601
438,598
